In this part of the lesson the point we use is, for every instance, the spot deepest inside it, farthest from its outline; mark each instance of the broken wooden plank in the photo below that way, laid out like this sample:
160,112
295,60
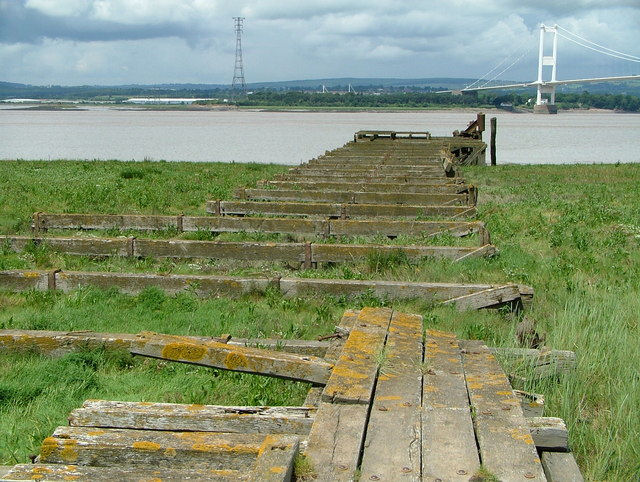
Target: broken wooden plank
561,467
483,250
532,403
544,362
192,417
499,423
156,448
449,450
392,449
354,374
235,358
485,298
344,253
126,473
275,459
549,433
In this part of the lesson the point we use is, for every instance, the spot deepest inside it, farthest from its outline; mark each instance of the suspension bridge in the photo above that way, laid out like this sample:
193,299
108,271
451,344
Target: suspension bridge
546,89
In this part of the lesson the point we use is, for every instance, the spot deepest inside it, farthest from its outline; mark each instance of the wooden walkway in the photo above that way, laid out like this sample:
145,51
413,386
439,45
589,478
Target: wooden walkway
387,400
390,402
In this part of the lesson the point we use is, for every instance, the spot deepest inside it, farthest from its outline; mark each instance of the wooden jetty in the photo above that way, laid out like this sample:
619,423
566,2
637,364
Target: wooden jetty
388,403
388,400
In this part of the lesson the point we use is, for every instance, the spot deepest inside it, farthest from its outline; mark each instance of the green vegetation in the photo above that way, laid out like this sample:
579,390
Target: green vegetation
571,232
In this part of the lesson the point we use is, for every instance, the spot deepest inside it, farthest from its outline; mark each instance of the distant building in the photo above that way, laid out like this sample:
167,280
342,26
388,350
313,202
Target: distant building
162,100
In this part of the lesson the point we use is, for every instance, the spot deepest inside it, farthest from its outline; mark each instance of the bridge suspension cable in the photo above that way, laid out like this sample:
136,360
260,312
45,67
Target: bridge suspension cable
583,42
507,58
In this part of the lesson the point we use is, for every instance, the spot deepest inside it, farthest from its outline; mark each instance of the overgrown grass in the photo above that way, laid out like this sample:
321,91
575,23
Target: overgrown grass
571,232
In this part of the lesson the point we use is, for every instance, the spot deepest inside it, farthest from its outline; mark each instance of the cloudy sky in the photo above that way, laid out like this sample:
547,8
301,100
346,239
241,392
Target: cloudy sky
71,42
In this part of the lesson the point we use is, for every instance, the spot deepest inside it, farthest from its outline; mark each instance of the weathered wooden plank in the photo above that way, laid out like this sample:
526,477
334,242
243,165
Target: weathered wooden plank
127,473
369,179
561,467
500,425
485,298
423,199
367,186
235,358
222,224
21,280
75,245
449,450
336,439
343,253
532,403
354,227
483,250
275,458
193,418
337,210
44,221
122,447
354,374
392,449
549,433
254,251
544,362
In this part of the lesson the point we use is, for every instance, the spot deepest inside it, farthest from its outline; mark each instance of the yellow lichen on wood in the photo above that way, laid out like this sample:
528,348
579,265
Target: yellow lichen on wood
147,446
183,351
69,452
235,360
48,447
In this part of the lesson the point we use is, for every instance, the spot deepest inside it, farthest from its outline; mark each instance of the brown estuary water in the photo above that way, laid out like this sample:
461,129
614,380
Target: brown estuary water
292,137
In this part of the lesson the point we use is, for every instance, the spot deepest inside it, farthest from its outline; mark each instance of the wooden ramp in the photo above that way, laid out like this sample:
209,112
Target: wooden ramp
389,403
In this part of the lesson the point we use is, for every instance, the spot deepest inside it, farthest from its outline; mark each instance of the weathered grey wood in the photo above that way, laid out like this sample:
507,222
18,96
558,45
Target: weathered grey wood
336,439
125,474
354,374
368,187
561,467
483,250
449,450
486,298
499,423
193,418
104,221
235,358
21,280
423,199
76,245
275,459
353,227
225,224
532,403
122,447
549,433
392,449
369,178
544,362
337,210
343,253
252,251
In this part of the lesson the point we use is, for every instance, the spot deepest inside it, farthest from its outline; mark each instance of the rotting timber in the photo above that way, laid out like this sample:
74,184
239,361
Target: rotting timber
388,401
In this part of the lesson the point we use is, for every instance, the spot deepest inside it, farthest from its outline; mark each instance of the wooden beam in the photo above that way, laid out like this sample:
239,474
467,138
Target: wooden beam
485,298
275,459
561,467
393,442
354,374
234,358
499,422
193,418
449,450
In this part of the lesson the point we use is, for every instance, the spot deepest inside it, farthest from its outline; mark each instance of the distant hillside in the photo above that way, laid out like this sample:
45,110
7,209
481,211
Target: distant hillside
10,90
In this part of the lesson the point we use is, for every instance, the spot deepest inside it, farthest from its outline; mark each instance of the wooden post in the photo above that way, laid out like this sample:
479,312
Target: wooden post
494,129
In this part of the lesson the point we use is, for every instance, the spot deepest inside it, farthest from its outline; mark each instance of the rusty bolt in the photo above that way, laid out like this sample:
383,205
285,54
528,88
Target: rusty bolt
486,412
374,477
462,472
342,467
437,480
382,408
455,373
406,470
406,404
529,475
506,408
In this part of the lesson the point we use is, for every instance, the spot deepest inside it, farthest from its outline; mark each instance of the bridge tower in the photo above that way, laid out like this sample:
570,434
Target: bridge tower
544,105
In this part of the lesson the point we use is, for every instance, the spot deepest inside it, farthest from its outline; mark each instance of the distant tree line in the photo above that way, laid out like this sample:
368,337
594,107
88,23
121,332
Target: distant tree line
584,100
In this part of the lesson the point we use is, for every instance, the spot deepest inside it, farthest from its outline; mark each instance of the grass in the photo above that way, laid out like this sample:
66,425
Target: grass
571,232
